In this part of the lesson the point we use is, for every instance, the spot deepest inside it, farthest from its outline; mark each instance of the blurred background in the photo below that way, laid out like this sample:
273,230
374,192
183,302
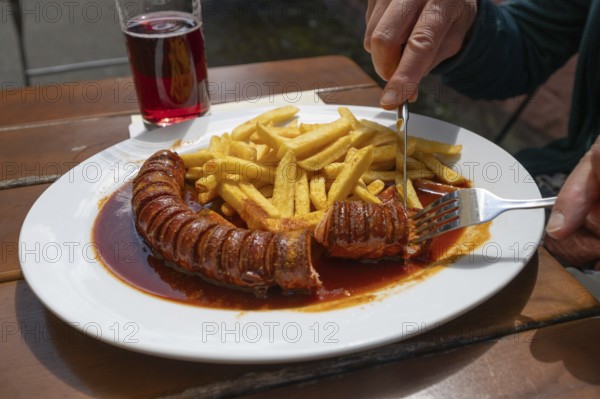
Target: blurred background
54,41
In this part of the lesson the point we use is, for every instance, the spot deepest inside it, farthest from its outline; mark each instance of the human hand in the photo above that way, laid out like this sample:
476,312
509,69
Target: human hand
580,249
578,202
574,225
408,38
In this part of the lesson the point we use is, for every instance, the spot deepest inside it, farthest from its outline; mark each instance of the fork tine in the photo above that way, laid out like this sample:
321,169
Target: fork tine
440,216
453,225
431,217
450,197
466,207
440,220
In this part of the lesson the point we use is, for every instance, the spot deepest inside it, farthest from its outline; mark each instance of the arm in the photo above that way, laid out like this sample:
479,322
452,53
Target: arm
512,48
516,46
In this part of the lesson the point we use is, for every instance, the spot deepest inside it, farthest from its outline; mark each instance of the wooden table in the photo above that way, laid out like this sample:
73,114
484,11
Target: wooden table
537,337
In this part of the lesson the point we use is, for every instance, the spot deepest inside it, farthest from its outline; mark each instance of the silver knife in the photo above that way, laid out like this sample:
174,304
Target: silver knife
401,125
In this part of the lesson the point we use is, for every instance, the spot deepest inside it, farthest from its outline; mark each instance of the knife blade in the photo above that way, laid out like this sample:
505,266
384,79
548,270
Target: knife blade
402,126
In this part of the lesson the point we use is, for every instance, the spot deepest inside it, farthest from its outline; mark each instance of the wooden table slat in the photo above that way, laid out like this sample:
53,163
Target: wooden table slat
109,97
90,367
557,361
51,150
15,205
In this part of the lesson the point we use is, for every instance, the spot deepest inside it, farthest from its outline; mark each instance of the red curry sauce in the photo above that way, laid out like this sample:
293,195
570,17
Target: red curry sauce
125,254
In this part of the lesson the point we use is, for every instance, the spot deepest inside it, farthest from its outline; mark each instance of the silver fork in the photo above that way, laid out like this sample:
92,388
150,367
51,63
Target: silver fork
467,207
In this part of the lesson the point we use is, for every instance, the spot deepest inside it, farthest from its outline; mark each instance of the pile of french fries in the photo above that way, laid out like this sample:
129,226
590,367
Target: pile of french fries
279,174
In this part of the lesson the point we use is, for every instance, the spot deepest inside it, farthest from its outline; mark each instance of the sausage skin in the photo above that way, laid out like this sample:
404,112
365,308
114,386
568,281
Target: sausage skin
205,243
358,230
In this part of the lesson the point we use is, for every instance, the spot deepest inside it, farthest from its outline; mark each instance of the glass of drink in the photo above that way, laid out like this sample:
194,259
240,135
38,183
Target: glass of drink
165,44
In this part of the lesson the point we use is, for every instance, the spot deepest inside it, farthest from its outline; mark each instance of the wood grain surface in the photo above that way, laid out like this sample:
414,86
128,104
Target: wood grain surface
66,362
15,205
559,361
537,337
75,100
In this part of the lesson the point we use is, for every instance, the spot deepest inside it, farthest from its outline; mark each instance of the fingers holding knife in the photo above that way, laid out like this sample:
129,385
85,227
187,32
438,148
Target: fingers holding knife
408,38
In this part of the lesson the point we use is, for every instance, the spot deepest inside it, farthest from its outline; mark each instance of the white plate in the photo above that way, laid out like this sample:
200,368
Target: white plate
58,262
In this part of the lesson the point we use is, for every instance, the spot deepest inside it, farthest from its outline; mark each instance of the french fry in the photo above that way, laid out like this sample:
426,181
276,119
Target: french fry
437,147
248,210
206,184
302,145
208,197
384,175
412,145
350,153
384,138
308,127
379,127
444,173
266,191
227,210
261,150
302,194
400,156
414,164
412,200
272,174
255,195
210,168
197,159
195,173
362,136
247,170
363,194
420,174
269,137
233,195
384,135
207,189
318,194
349,116
376,187
415,168
385,165
294,123
385,153
242,150
269,158
355,166
214,145
286,131
256,139
298,222
277,115
225,143
332,152
332,170
285,184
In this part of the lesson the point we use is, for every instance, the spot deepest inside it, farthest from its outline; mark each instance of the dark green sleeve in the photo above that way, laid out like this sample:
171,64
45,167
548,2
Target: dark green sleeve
515,46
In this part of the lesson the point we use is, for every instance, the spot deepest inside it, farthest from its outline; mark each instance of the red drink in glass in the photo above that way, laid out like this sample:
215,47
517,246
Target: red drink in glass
168,62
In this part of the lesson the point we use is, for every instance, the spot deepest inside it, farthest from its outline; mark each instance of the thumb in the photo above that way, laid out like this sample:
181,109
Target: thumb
577,196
